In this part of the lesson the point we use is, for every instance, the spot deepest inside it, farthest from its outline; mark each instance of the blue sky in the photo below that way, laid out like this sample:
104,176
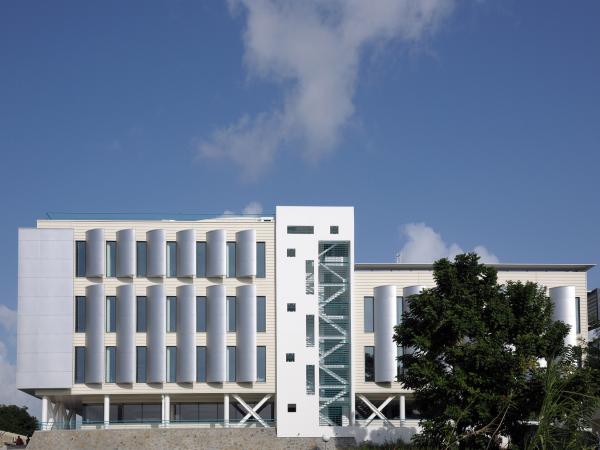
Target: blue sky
448,126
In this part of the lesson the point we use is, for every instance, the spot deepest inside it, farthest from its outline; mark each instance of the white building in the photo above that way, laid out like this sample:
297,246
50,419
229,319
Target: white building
230,321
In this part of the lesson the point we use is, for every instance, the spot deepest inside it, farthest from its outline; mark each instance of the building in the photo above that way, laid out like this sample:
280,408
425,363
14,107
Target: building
228,321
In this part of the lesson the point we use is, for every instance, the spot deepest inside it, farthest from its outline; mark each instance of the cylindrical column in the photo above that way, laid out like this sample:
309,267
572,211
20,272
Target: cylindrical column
106,411
126,253
167,410
384,319
94,333
186,334
226,410
215,334
402,408
157,253
246,333
95,253
216,262
44,412
125,334
186,253
156,336
408,292
246,253
565,310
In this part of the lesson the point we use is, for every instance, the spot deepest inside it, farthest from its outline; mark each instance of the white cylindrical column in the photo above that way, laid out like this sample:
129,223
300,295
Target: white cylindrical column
216,265
167,410
385,347
402,408
156,335
157,253
565,310
94,333
246,253
216,334
186,253
44,412
226,410
106,411
126,253
186,334
95,253
246,333
126,351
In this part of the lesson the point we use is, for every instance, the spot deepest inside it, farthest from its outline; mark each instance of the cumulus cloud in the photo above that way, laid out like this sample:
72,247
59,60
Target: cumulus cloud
313,49
424,245
252,208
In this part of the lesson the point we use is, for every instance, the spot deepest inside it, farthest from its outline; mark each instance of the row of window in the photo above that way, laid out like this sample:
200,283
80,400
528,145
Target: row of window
308,229
369,315
171,314
171,252
171,364
370,362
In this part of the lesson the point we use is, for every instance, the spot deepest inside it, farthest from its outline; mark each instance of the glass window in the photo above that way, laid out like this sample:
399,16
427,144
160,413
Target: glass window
310,276
399,309
291,407
260,260
79,314
261,363
111,314
79,365
310,330
334,229
291,307
291,252
261,314
111,259
300,229
230,364
201,259
368,315
310,379
111,364
230,313
140,325
80,247
171,259
171,364
231,250
141,251
201,314
140,364
577,315
171,314
369,363
201,364
290,357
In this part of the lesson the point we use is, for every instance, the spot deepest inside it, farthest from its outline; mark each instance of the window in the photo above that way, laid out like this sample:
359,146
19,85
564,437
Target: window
290,357
140,314
334,229
300,229
291,252
111,259
111,314
399,309
79,314
80,247
171,259
310,379
141,261
310,330
79,365
260,260
140,364
230,364
368,315
310,276
291,407
291,307
201,364
200,314
577,315
261,363
111,363
201,259
171,314
369,363
261,314
231,314
171,364
231,250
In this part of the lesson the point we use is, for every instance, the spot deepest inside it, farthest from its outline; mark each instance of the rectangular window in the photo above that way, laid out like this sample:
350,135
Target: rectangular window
399,309
201,314
111,259
140,364
201,259
261,271
290,357
141,261
261,363
140,314
171,364
577,315
369,363
291,252
310,276
368,315
310,330
201,364
261,314
291,407
79,365
231,250
230,314
300,229
230,364
111,314
111,364
291,307
80,247
334,229
171,259
171,314
79,314
310,379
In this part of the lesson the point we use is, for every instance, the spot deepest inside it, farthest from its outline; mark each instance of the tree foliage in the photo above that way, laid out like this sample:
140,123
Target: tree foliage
16,419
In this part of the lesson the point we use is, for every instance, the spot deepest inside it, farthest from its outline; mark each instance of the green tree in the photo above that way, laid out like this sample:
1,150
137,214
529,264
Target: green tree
16,419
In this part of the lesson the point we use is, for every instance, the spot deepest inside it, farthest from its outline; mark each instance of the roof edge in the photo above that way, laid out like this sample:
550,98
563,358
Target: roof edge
499,266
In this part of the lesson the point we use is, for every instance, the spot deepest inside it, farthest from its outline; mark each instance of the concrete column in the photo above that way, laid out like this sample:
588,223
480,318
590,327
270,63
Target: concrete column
226,410
106,411
167,414
44,412
402,408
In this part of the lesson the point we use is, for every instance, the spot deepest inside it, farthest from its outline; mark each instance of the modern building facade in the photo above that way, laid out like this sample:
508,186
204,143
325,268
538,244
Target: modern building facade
230,321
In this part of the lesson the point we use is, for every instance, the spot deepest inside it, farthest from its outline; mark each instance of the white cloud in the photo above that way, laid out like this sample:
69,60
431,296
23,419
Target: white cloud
425,245
8,318
313,49
252,208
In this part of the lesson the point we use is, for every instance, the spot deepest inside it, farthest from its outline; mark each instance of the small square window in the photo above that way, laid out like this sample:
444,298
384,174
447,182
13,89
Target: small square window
291,307
334,229
291,407
291,252
290,357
